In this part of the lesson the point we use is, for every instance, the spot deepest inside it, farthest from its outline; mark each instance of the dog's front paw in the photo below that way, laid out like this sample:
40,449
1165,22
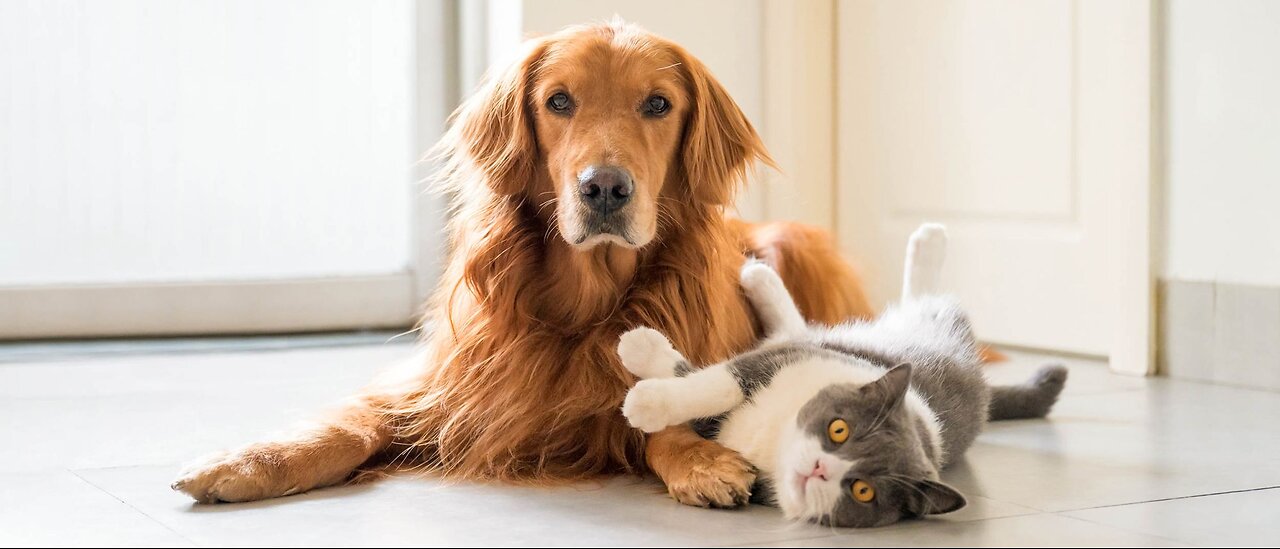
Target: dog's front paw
647,353
713,476
647,407
230,477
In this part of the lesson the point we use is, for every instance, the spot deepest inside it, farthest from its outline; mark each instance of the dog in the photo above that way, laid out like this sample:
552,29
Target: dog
589,181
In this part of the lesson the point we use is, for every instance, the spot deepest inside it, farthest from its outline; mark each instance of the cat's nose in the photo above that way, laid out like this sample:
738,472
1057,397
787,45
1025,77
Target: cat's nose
819,470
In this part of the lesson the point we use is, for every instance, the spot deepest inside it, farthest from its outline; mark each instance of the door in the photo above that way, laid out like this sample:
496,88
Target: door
217,167
1025,128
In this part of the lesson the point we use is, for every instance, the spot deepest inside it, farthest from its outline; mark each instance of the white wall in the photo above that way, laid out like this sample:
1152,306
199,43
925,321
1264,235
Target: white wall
1222,162
162,140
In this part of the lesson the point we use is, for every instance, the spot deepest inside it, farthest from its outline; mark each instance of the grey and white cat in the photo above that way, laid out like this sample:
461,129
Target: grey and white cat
850,424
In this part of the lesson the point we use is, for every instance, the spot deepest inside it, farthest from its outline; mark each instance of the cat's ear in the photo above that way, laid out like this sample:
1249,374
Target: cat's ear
892,386
933,498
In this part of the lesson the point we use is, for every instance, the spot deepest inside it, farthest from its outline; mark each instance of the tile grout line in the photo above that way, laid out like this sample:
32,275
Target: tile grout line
1174,498
132,506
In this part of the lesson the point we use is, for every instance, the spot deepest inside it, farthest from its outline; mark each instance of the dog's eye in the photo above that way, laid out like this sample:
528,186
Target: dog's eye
656,105
560,103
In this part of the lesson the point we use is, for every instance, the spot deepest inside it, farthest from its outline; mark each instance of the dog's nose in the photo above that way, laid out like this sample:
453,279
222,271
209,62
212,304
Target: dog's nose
605,188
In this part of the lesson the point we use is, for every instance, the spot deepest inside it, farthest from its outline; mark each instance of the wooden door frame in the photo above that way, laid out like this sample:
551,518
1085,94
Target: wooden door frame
1132,31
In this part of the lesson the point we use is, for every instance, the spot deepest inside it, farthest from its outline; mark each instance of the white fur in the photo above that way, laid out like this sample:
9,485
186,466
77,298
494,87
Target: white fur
806,499
655,404
648,354
772,302
926,250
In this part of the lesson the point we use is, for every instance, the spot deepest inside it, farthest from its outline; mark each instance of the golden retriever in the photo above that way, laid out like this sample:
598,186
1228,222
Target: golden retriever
590,181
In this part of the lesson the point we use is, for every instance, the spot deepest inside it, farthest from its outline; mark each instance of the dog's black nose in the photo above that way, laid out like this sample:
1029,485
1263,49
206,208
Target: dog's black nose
605,188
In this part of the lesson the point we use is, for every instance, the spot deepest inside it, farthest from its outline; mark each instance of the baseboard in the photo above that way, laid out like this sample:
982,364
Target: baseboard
1224,333
187,308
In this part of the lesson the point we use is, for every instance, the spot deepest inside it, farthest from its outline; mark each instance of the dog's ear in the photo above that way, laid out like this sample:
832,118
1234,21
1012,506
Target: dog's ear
719,142
495,126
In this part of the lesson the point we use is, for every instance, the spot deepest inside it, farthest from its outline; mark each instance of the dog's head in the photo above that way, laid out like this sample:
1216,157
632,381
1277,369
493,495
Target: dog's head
613,125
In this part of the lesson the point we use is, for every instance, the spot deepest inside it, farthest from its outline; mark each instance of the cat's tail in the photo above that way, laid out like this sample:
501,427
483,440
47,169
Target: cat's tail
1031,399
926,249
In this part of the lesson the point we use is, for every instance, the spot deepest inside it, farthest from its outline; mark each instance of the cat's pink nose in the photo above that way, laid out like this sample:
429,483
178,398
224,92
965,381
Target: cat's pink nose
819,470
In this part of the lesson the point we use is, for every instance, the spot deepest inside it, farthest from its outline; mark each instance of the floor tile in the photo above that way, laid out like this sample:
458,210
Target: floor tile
414,511
1174,439
169,408
1022,531
408,510
126,422
59,508
1235,519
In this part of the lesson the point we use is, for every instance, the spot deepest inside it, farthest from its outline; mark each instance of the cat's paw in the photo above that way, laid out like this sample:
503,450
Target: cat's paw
930,235
772,302
757,277
647,406
647,353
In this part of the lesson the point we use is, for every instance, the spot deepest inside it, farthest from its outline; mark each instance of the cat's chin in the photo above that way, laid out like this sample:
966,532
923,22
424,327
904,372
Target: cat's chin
793,487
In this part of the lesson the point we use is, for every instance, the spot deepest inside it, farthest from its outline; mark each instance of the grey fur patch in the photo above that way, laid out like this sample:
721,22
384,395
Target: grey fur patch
762,492
1031,399
754,370
708,427
926,442
683,368
879,359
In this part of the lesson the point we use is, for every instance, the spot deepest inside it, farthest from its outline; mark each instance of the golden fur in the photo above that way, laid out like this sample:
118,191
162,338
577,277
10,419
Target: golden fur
521,380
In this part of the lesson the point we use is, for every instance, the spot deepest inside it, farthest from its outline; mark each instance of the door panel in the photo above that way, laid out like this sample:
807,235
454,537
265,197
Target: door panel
1003,120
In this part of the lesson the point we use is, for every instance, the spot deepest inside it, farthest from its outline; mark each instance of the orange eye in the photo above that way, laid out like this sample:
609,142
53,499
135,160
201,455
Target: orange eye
838,431
862,491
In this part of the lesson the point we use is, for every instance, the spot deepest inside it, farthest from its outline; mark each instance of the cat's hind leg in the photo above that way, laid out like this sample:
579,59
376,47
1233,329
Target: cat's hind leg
773,304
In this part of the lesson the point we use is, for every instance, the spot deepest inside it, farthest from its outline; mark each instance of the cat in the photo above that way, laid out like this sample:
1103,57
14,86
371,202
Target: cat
848,425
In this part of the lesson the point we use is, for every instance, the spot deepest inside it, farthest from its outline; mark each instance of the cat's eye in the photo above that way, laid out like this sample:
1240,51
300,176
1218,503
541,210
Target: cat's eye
862,491
838,431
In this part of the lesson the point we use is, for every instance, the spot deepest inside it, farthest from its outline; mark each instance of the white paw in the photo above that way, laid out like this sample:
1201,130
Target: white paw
757,277
930,240
647,353
646,407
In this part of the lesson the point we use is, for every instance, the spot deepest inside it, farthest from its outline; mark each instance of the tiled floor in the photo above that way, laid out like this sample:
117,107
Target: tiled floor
89,444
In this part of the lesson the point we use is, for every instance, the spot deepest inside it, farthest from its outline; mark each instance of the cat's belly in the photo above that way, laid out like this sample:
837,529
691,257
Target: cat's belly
755,428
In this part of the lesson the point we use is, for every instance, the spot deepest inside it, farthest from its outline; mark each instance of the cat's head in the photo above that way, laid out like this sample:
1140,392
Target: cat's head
856,457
